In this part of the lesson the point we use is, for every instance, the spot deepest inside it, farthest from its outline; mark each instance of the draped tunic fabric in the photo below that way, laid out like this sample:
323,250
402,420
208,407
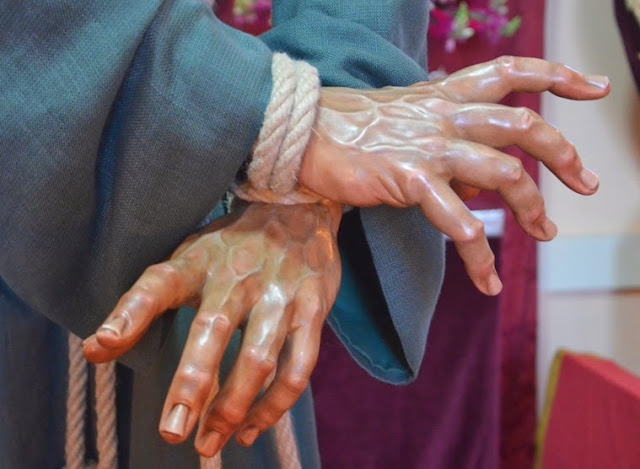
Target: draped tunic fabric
121,125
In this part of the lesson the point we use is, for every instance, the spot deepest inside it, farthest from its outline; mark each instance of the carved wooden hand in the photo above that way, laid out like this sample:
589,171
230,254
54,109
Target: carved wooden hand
273,270
433,144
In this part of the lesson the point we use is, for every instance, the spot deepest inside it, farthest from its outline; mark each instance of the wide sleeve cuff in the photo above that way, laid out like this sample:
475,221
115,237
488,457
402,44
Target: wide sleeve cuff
272,171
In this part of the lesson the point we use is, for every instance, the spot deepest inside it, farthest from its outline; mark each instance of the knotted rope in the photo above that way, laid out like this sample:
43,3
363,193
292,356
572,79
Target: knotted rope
284,135
286,443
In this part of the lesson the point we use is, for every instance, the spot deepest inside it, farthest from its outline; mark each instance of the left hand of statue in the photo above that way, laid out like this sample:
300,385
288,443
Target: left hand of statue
275,270
436,143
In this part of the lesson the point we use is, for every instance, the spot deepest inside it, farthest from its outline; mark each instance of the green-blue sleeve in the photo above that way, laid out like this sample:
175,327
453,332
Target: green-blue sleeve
121,125
359,43
393,259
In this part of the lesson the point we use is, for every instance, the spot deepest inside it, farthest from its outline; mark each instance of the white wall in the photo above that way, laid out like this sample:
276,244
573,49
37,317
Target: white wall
590,276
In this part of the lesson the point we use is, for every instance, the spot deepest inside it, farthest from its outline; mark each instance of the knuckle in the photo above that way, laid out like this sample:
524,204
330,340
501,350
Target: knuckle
195,255
268,414
514,171
230,412
489,261
414,185
261,360
560,72
415,181
471,232
142,298
485,266
526,119
203,321
436,103
192,380
506,65
310,305
567,158
536,211
215,323
164,271
437,146
295,383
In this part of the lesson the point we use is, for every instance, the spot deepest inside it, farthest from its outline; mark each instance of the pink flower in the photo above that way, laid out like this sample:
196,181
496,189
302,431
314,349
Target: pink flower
456,21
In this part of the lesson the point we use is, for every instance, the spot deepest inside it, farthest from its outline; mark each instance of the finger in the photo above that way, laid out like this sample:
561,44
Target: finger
194,377
486,168
445,210
94,352
463,191
223,307
295,365
492,81
263,338
501,126
161,287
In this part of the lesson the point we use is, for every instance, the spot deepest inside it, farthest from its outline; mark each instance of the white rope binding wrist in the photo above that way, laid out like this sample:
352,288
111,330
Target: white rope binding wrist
288,123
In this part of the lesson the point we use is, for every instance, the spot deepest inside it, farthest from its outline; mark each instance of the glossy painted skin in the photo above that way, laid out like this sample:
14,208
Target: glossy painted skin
434,144
276,270
272,270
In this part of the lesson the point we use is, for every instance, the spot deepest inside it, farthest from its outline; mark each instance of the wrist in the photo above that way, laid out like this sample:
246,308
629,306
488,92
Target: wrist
272,173
323,213
334,212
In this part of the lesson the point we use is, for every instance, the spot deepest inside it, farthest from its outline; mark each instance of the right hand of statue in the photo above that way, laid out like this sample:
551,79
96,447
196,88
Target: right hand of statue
434,143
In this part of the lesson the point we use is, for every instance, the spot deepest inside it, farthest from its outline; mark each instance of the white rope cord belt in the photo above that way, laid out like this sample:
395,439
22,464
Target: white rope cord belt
107,440
288,122
271,178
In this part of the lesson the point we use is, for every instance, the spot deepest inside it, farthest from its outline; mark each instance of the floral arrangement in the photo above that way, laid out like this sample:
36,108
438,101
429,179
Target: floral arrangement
453,21
252,12
456,21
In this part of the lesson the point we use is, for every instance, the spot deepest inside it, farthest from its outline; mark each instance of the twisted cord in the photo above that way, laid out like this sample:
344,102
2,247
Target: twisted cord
107,439
286,443
284,174
286,446
288,123
211,463
74,449
274,128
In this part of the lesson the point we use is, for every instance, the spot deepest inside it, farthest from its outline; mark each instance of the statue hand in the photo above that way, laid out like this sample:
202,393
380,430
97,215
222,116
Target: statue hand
433,144
275,270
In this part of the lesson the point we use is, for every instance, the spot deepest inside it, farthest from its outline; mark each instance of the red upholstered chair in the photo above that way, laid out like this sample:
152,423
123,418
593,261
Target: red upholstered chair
592,416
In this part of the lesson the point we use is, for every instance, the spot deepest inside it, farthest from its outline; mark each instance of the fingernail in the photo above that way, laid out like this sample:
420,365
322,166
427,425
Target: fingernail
599,81
114,326
248,435
176,421
549,229
211,443
494,285
589,179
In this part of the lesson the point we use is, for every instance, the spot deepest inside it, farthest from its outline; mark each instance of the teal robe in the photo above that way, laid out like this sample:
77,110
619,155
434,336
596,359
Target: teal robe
122,124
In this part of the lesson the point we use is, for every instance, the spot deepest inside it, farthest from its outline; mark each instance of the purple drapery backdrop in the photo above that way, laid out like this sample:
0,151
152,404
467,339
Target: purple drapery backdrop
517,304
473,405
447,419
